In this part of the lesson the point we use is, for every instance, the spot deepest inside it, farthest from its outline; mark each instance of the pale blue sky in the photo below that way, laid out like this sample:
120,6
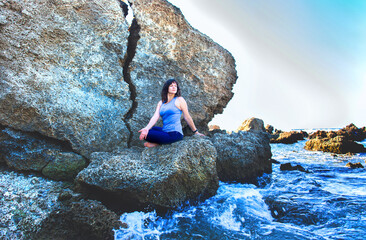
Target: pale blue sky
300,63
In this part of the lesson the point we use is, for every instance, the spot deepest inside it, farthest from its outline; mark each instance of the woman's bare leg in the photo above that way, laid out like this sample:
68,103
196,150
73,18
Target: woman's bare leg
149,144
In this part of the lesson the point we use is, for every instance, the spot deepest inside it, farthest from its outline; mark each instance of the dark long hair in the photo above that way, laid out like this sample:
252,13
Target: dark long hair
164,91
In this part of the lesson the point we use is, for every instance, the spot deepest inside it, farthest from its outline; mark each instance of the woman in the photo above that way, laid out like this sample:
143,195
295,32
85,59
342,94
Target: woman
170,108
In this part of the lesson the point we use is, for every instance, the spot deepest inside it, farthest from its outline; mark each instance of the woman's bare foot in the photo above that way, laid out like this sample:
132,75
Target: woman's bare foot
149,144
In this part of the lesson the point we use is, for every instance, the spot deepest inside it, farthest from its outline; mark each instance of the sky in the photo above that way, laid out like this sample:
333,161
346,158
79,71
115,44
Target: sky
301,64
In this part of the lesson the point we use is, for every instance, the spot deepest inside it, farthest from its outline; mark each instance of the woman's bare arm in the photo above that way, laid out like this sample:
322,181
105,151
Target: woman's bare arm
182,105
151,123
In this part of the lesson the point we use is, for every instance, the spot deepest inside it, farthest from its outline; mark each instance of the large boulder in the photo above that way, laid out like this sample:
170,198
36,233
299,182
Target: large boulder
243,156
77,72
170,48
163,177
32,151
338,144
61,71
252,124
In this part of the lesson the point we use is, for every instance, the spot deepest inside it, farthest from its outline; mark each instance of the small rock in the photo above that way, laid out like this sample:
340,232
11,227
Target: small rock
354,165
252,124
274,161
289,167
288,137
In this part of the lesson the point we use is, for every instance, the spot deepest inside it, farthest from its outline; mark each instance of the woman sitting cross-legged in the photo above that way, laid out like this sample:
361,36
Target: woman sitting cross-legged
170,108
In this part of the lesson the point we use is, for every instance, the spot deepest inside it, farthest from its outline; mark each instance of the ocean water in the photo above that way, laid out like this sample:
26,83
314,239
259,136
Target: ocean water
328,202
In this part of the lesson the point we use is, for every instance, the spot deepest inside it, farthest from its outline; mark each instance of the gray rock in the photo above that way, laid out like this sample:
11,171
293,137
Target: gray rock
64,166
165,176
83,219
242,156
252,124
31,151
70,70
170,48
61,71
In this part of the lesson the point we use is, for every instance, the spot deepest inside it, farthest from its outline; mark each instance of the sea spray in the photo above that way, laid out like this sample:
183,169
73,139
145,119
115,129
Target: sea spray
237,211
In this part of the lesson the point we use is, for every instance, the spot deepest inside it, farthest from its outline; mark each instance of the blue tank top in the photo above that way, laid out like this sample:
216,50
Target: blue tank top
171,117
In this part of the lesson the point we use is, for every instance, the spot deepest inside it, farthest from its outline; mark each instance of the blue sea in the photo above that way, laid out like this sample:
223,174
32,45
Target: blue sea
328,202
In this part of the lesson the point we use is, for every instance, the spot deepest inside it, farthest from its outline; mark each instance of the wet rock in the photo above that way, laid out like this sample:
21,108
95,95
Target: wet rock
31,151
82,219
338,145
34,207
242,156
275,161
289,137
252,124
350,132
289,211
289,167
353,133
354,165
164,177
321,134
25,198
72,70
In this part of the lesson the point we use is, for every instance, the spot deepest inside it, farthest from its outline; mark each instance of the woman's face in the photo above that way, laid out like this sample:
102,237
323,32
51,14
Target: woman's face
173,88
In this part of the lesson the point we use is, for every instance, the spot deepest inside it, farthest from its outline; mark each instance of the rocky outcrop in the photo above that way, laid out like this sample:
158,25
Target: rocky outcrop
269,128
33,207
72,70
354,165
289,137
163,177
242,156
81,219
32,151
252,124
350,132
338,144
341,141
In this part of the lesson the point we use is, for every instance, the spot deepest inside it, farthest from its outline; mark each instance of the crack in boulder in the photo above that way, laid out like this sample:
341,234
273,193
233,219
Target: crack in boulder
133,38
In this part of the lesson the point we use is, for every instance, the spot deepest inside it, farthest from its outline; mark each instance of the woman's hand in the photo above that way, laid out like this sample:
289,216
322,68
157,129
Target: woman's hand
199,134
144,133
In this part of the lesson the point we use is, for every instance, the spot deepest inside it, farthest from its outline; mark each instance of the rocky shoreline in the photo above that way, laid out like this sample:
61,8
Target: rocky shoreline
35,207
160,178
